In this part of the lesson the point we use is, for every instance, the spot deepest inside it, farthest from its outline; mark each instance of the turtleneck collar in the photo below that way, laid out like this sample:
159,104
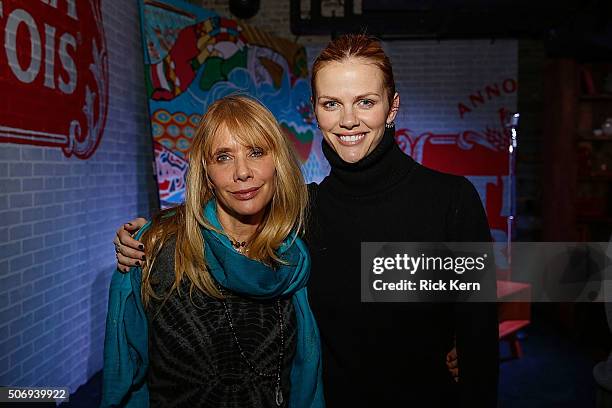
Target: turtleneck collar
380,170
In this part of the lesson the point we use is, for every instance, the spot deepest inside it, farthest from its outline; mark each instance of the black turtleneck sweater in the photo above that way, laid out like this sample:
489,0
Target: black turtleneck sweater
393,354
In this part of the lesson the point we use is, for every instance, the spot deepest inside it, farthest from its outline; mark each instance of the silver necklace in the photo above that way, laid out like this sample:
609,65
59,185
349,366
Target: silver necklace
278,392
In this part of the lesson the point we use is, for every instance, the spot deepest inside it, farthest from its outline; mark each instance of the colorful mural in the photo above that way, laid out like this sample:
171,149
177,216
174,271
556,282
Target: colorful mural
53,75
194,57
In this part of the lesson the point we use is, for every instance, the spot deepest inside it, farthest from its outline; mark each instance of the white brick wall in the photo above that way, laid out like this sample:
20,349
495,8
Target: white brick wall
57,220
433,77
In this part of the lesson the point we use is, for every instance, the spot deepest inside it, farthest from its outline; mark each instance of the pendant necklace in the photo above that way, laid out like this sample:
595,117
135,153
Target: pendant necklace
278,392
239,246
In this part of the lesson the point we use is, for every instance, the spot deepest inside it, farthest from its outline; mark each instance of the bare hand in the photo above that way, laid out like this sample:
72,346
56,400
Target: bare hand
452,365
129,251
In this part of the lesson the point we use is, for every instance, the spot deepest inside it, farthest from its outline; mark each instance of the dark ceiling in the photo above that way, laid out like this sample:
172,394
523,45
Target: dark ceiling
567,26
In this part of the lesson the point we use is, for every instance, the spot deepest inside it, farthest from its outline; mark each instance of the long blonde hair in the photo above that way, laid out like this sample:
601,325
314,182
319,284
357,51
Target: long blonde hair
252,125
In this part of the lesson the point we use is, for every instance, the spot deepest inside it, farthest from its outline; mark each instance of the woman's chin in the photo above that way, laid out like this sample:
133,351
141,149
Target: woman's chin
350,156
246,209
241,209
354,153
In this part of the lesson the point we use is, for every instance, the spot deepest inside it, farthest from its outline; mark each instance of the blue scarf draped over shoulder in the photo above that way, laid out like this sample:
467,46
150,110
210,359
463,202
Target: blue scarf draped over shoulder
126,347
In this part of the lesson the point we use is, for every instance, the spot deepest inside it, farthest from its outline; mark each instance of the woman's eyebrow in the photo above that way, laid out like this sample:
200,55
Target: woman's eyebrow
222,150
356,97
366,95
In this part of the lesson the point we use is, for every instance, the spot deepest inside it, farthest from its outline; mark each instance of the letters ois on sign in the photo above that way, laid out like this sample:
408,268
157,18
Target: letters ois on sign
53,74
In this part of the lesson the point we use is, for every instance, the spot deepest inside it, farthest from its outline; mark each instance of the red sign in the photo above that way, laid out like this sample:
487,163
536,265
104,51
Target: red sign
53,74
482,156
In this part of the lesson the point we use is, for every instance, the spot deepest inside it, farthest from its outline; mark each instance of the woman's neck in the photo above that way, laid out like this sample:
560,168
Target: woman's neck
237,227
374,174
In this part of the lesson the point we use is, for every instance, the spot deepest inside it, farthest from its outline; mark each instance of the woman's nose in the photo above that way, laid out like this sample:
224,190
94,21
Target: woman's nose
349,119
242,169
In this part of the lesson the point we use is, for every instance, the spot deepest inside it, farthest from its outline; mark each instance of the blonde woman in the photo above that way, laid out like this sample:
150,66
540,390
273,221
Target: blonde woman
216,314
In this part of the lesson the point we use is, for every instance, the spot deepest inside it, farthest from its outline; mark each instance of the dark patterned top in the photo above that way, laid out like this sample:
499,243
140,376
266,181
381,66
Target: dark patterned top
194,359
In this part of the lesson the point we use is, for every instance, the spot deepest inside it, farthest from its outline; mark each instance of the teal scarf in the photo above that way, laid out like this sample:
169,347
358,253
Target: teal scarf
126,357
255,280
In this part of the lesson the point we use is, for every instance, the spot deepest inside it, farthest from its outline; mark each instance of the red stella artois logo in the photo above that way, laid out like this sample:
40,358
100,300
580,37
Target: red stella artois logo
53,74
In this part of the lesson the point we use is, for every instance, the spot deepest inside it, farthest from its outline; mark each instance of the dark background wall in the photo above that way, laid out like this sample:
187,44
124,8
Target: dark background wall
531,58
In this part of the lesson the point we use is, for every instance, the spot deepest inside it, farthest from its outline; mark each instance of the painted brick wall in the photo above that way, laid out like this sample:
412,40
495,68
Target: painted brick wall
434,77
57,220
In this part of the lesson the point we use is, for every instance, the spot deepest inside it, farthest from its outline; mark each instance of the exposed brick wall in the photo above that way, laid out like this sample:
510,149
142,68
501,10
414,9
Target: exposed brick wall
57,220
434,77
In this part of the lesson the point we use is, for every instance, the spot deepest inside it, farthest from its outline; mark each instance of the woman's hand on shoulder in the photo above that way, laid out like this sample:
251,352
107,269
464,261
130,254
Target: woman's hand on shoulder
129,251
